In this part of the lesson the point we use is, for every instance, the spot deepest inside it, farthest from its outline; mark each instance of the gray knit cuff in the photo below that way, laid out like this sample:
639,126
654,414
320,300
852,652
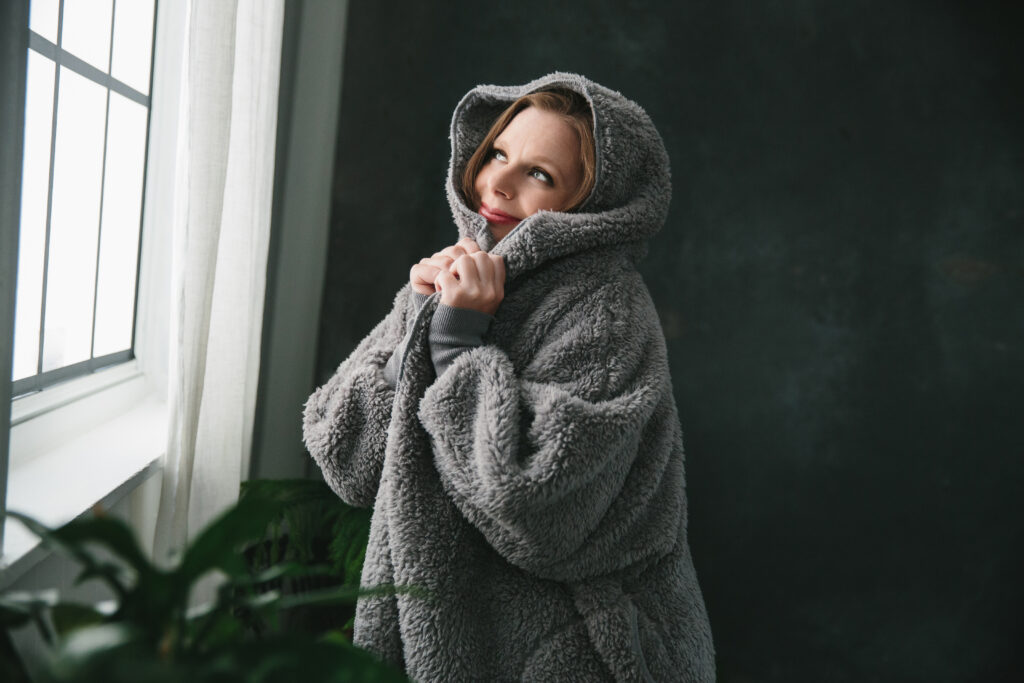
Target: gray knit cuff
417,300
395,362
453,331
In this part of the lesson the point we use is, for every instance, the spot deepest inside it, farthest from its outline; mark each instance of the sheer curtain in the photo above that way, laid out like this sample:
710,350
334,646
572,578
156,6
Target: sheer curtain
223,189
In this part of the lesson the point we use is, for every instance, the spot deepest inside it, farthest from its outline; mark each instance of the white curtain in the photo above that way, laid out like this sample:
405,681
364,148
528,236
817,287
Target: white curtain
223,190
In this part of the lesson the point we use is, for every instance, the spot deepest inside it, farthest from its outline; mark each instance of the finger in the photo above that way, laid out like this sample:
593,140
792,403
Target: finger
465,268
469,244
445,280
484,266
423,272
499,268
454,251
423,264
439,261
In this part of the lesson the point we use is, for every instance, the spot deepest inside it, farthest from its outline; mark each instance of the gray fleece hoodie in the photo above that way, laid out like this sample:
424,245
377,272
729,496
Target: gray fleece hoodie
535,486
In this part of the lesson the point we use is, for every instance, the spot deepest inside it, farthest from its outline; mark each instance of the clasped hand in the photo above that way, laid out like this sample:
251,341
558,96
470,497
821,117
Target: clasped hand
466,277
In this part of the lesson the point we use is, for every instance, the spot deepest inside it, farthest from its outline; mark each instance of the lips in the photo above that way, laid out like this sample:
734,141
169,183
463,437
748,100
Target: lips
496,216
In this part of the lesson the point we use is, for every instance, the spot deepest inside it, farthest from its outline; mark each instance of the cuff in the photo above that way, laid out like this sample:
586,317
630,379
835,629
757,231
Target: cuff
453,331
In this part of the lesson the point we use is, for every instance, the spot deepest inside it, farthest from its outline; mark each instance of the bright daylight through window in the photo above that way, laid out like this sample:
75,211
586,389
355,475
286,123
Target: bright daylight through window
86,124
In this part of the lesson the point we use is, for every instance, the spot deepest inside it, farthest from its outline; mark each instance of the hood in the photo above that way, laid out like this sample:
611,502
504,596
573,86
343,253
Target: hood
631,192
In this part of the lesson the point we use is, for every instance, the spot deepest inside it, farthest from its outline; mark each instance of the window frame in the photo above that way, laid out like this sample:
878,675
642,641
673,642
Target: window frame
13,78
59,418
62,58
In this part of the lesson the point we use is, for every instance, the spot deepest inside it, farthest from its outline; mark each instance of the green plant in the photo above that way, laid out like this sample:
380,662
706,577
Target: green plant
313,528
151,634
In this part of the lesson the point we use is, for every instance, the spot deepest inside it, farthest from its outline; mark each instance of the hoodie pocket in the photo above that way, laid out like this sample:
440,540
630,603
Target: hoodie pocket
638,642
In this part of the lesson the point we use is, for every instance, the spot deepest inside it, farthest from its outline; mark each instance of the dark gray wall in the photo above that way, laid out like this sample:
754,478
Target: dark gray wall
840,283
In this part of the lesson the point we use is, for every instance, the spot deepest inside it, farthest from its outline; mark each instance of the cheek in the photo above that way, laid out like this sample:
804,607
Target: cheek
564,200
535,201
554,202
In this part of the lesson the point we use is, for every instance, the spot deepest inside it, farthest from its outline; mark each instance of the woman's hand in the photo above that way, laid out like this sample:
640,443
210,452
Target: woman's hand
423,275
466,277
475,280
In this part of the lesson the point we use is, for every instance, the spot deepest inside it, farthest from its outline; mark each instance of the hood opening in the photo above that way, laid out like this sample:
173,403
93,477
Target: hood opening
632,188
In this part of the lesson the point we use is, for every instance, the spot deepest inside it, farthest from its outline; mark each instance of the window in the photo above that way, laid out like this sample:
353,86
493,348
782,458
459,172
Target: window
96,437
86,128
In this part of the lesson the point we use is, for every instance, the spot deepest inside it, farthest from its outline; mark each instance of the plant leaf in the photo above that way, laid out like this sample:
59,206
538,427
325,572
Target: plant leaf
110,532
18,608
75,550
292,658
217,546
90,642
69,616
285,570
347,594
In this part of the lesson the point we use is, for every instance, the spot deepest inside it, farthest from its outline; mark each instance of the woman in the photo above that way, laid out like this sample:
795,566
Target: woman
511,420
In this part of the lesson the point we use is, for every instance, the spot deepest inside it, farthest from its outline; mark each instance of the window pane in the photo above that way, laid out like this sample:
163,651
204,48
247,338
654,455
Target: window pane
43,19
86,31
119,234
35,182
133,42
74,220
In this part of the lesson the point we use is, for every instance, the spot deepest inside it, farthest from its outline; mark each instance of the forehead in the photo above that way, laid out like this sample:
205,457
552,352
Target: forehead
542,132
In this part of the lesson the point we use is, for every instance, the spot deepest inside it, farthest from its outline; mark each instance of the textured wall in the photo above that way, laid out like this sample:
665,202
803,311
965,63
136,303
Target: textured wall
840,282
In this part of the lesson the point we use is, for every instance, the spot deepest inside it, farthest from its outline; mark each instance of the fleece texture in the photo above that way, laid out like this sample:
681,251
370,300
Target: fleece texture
535,489
453,331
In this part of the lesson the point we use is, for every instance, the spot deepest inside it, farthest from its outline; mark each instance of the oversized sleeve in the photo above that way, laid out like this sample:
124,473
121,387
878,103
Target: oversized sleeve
572,467
345,421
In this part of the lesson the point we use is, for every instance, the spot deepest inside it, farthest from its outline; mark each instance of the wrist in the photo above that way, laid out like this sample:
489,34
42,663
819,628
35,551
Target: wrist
458,326
476,307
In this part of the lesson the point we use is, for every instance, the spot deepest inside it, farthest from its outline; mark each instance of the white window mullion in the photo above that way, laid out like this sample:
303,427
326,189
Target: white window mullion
49,193
103,184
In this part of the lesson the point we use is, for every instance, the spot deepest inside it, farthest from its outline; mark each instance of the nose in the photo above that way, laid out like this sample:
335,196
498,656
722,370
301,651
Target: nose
500,182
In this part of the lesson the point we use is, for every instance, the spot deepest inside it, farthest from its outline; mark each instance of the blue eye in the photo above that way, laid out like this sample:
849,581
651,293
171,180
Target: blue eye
498,154
541,176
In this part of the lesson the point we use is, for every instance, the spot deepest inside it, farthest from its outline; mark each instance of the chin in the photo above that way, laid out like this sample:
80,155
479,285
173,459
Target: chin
499,231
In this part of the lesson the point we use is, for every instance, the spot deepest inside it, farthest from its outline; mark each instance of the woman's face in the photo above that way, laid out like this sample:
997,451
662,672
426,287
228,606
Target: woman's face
534,164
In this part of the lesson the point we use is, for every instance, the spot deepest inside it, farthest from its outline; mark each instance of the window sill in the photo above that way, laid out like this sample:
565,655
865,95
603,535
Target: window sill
30,406
98,467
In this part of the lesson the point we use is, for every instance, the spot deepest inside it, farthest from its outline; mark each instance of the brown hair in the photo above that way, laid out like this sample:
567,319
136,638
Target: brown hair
577,113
